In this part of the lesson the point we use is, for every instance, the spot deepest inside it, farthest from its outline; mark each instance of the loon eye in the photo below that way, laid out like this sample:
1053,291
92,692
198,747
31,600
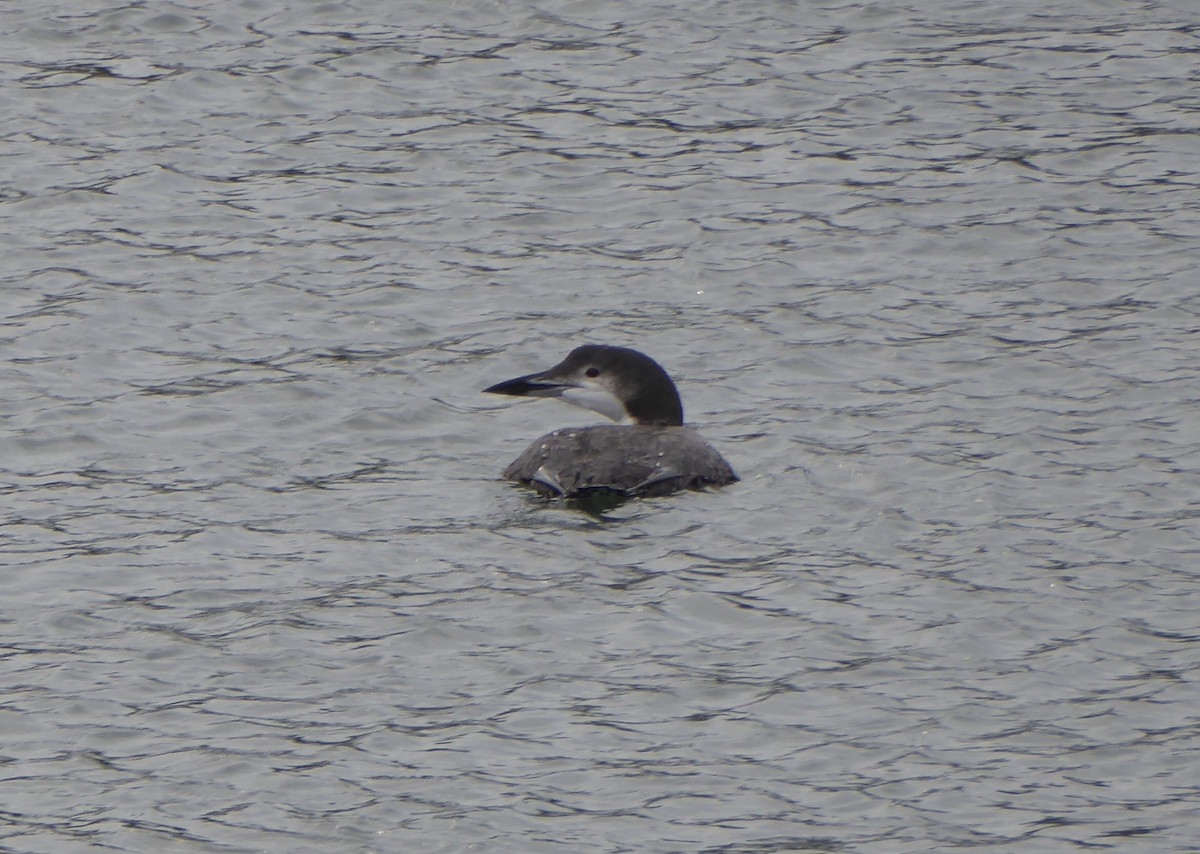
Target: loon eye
592,372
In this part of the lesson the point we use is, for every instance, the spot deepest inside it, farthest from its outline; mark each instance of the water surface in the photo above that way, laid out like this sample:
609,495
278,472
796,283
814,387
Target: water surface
926,277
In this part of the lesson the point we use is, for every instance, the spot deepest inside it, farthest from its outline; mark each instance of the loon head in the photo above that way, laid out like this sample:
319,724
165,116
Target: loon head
617,382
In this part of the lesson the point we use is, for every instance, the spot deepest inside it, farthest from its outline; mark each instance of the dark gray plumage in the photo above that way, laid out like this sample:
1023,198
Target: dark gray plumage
654,455
635,460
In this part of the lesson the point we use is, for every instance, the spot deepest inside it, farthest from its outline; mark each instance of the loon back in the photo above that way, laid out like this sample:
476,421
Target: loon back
631,461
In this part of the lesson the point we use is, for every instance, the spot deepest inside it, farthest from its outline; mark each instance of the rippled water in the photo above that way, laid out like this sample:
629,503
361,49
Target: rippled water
926,275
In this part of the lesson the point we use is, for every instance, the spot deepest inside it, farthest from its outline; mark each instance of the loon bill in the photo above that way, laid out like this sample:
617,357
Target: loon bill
649,453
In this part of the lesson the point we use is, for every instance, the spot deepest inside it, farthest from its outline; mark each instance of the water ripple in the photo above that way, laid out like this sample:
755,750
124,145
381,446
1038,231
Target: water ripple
926,279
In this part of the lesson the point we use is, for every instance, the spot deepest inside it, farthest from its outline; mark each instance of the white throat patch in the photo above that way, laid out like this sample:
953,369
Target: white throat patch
597,400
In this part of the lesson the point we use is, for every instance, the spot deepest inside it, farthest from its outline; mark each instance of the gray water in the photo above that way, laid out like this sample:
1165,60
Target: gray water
925,273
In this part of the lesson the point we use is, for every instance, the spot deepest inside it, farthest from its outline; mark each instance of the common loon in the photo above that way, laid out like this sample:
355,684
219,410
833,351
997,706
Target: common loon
649,453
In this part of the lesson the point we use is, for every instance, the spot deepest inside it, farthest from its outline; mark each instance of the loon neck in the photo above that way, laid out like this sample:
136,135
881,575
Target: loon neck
655,403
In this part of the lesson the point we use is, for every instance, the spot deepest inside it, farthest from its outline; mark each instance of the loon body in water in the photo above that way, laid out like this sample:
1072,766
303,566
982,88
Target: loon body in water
649,453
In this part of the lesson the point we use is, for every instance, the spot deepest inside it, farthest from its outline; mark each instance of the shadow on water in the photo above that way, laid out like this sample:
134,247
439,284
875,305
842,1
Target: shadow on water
593,502
596,503
795,845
